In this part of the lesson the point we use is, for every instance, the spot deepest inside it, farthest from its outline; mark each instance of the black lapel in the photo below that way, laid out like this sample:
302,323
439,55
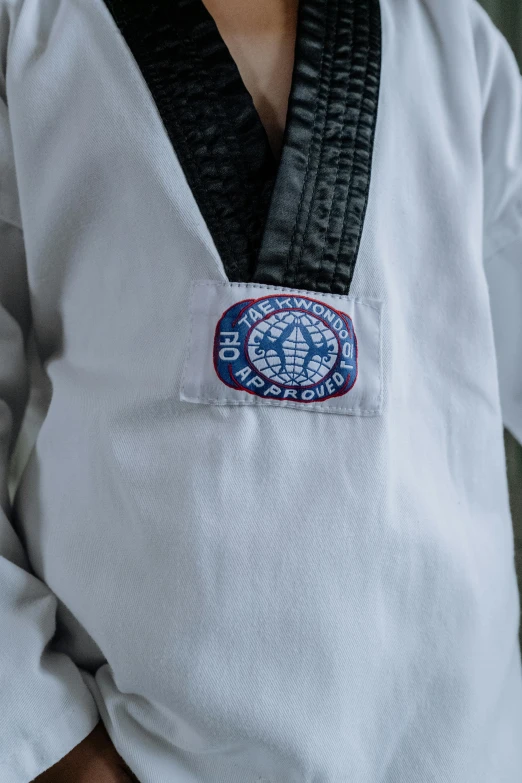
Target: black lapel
298,224
318,207
210,118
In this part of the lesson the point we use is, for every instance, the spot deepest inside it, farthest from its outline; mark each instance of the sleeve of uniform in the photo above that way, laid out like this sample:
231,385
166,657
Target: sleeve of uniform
501,88
45,707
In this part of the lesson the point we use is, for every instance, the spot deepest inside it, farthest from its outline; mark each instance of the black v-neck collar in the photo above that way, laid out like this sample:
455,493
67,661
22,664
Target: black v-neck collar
317,211
296,223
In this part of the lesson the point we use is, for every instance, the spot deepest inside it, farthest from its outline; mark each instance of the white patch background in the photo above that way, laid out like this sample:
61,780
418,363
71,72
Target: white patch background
201,384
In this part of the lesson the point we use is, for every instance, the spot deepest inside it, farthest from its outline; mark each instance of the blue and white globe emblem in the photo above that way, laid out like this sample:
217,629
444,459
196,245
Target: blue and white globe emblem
293,348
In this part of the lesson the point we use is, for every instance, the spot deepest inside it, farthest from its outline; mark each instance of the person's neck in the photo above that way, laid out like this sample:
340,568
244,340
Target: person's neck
260,35
254,17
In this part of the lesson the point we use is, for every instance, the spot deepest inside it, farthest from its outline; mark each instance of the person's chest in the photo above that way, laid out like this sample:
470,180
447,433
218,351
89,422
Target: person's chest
145,169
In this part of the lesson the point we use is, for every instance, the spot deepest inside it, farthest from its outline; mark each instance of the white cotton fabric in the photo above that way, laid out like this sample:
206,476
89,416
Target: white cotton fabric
258,594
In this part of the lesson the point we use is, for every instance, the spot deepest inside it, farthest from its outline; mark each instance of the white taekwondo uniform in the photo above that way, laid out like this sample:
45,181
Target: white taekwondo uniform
264,531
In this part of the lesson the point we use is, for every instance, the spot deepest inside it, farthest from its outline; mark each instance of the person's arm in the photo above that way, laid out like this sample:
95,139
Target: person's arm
501,87
47,713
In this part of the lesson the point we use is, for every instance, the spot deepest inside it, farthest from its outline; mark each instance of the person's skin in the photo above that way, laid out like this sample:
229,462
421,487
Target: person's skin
260,35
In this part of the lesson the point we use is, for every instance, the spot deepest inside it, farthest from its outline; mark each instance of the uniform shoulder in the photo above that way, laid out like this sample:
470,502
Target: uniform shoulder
493,53
10,6
487,36
9,11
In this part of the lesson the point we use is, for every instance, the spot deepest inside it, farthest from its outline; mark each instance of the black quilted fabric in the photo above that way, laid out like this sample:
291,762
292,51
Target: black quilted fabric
317,212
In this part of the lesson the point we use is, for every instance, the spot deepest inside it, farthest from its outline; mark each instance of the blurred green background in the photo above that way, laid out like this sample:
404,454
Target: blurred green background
507,15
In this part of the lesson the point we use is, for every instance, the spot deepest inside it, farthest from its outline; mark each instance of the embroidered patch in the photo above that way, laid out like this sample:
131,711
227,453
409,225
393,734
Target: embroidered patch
254,344
286,347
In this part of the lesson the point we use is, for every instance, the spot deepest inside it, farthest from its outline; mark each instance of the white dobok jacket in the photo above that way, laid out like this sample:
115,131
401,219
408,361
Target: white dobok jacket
264,531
